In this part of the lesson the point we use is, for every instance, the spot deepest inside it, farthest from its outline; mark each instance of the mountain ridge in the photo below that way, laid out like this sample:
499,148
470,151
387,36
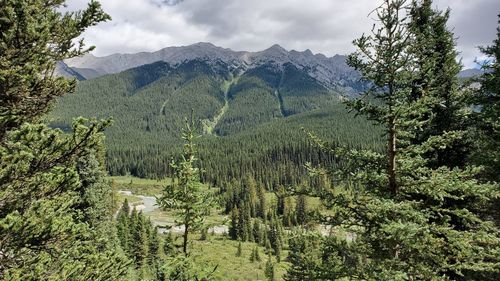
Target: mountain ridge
331,71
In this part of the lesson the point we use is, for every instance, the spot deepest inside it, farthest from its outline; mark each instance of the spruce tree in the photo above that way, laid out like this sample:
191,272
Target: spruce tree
248,223
257,232
49,231
168,244
242,223
301,209
261,206
413,216
269,271
436,98
304,257
252,256
257,254
275,237
487,97
186,195
233,228
154,244
123,226
138,244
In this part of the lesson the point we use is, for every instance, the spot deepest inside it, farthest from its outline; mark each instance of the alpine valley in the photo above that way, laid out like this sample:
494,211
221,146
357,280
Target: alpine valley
250,108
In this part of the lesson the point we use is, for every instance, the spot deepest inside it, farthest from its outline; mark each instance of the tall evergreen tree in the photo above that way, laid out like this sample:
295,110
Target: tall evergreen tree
301,209
487,98
233,228
242,223
269,271
186,195
435,95
412,219
261,206
140,238
123,226
304,257
49,183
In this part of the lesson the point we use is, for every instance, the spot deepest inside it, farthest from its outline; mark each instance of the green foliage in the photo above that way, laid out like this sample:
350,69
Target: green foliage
410,214
255,256
168,244
140,241
486,152
183,268
185,195
435,98
301,210
304,256
34,36
54,216
270,274
233,228
248,136
275,235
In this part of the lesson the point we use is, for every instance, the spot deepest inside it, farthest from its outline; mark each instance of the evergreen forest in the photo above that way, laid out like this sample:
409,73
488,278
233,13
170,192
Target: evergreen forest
208,170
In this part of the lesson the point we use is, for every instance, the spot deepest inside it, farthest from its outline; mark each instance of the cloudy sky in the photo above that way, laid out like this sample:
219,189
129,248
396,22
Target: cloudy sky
323,26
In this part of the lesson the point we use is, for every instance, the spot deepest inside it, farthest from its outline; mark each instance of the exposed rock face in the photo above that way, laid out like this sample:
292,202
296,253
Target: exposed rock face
328,70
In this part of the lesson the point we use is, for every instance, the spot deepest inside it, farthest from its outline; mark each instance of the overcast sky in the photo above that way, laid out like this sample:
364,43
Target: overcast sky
323,26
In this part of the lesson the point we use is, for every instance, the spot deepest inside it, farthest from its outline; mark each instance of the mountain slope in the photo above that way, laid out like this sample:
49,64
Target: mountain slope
246,116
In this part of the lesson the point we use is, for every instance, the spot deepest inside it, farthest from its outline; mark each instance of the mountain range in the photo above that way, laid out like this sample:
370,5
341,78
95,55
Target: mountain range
330,71
247,106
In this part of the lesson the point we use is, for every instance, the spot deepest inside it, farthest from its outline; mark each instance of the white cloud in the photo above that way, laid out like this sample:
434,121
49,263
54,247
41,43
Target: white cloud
325,26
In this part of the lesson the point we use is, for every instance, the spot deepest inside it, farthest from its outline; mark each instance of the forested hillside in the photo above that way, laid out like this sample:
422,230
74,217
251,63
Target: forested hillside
223,165
250,120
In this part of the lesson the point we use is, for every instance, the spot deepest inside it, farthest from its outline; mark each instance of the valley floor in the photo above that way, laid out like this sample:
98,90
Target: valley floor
216,251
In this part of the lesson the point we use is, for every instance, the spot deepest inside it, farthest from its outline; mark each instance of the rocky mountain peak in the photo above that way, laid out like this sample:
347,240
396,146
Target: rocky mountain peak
324,69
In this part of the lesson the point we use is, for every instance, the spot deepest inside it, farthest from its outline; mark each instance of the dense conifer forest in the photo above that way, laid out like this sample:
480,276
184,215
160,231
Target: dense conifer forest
204,171
249,122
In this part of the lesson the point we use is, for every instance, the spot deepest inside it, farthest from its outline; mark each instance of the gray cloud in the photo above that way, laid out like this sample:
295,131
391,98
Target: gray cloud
325,26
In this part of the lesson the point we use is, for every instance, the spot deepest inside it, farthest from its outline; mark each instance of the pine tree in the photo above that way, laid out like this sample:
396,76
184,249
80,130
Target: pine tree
269,272
301,209
185,195
257,232
411,219
45,224
168,244
140,238
233,228
242,223
261,206
123,226
486,152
